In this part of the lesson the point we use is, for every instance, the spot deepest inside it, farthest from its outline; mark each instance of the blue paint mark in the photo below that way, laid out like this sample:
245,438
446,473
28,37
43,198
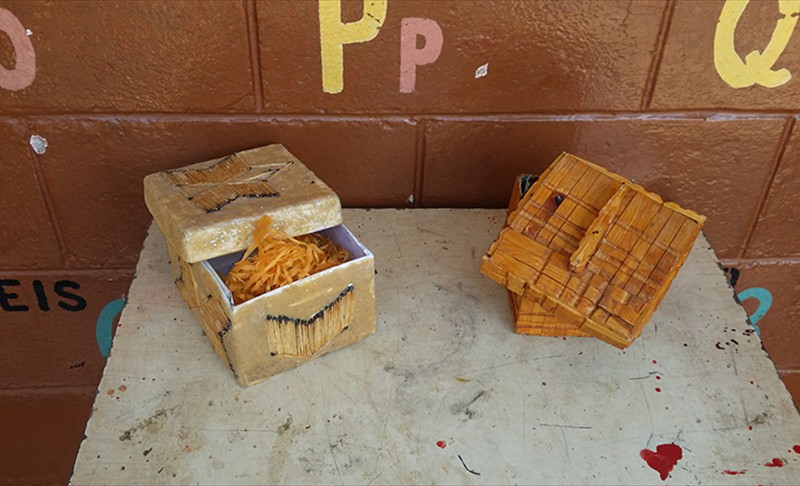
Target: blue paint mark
105,322
764,298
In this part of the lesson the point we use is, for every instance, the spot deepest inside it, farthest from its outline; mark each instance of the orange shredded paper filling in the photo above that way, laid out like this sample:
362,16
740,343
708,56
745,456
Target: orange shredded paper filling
275,259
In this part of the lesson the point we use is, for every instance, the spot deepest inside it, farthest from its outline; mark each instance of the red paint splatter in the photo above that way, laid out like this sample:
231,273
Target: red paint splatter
776,462
734,473
441,444
796,449
663,459
751,382
658,377
749,427
658,390
654,362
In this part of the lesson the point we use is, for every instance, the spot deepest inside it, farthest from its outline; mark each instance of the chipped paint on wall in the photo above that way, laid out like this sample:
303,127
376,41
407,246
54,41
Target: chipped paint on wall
38,144
482,71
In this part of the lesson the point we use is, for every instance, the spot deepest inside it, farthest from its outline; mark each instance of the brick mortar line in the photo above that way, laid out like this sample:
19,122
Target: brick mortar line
760,261
49,390
255,54
67,271
596,115
765,190
709,117
658,55
789,371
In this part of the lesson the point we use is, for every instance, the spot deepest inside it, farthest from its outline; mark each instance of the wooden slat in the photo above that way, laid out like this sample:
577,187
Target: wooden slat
638,214
601,192
515,268
567,313
598,228
562,178
570,297
683,241
493,271
621,239
594,243
524,250
656,224
549,286
600,331
557,268
582,217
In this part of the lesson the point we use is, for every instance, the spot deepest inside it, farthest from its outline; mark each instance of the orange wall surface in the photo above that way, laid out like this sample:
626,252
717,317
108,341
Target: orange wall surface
432,104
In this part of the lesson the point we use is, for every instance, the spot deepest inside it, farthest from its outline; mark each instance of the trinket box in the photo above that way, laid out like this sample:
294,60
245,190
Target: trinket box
207,212
587,252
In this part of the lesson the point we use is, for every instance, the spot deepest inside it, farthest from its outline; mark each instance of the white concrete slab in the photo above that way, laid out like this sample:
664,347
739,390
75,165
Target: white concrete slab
444,366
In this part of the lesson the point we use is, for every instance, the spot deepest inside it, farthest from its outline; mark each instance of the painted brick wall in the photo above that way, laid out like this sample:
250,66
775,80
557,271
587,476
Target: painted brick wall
122,89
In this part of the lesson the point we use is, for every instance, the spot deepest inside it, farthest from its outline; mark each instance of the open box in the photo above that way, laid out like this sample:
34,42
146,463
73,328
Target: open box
207,212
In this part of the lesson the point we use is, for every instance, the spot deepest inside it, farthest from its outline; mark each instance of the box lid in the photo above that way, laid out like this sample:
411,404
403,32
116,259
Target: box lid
210,208
593,248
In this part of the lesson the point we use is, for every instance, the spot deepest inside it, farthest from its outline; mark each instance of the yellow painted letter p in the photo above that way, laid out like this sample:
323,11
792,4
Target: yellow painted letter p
333,35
